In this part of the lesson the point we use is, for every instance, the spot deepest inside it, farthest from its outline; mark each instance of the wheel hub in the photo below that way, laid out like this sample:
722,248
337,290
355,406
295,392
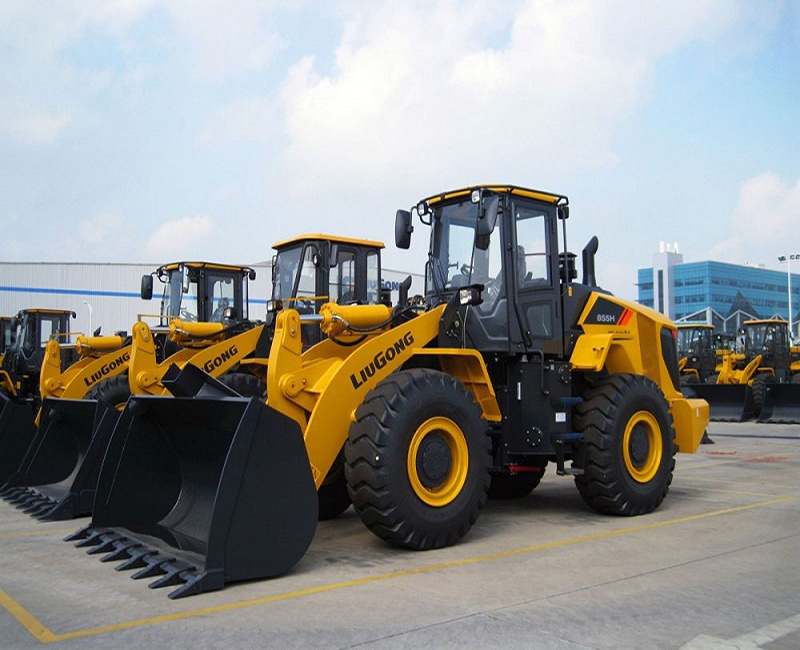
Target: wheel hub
639,445
433,461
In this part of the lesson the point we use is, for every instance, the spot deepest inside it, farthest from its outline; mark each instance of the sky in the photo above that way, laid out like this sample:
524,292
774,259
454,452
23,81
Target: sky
157,130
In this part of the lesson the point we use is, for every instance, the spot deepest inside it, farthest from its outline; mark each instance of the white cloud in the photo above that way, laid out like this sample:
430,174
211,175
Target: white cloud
764,224
59,58
429,97
104,227
181,238
226,38
250,120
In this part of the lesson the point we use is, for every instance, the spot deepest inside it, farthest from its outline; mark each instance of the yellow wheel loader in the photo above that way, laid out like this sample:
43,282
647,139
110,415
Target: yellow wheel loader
19,378
697,357
505,366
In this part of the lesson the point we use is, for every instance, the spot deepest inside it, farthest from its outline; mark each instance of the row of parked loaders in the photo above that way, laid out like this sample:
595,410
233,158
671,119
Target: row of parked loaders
209,448
756,377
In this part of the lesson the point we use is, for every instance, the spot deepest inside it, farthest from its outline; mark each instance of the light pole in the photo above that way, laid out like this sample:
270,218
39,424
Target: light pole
788,259
89,307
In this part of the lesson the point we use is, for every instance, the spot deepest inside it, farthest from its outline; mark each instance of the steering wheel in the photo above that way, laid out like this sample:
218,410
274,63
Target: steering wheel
491,291
186,315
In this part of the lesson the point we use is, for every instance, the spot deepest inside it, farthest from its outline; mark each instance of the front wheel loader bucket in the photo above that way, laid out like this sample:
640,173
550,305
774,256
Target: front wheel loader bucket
58,477
17,429
781,404
201,492
726,402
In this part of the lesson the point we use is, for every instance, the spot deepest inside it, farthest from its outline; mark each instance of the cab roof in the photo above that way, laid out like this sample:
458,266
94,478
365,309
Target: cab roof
767,321
539,195
204,265
36,310
332,238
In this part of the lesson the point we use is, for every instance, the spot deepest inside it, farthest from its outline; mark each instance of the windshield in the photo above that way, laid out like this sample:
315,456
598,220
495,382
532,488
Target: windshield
7,335
690,339
763,336
287,262
454,260
175,303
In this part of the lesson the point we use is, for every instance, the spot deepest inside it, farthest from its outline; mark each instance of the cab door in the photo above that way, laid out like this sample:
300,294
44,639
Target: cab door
534,275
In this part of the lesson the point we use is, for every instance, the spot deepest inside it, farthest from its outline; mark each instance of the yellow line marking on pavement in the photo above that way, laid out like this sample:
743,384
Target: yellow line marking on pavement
781,486
44,635
725,491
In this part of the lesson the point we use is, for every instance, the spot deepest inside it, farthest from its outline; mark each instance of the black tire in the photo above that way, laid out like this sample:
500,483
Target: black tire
515,486
417,460
333,495
245,383
759,387
630,445
114,390
796,378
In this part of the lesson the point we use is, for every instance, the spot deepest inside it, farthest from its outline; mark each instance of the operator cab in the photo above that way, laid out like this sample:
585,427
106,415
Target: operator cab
770,339
33,328
310,270
201,292
504,239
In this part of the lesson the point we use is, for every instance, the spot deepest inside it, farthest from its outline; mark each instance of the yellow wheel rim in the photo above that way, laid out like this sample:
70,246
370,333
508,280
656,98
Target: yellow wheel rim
641,446
438,461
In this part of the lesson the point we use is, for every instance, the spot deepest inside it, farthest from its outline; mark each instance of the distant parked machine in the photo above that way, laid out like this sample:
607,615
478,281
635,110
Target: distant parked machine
19,378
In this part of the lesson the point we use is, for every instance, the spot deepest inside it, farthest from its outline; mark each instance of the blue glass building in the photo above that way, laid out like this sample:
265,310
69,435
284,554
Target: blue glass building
717,293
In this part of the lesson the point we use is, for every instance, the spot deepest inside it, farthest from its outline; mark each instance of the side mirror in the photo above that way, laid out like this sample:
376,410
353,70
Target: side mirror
147,287
184,279
333,259
403,229
487,218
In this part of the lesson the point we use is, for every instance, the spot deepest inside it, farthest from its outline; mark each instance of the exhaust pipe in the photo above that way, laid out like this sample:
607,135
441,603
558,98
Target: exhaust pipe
589,252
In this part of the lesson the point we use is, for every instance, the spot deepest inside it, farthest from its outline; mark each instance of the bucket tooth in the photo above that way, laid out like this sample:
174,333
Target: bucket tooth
35,503
175,573
107,545
153,563
95,537
82,533
18,498
136,558
122,551
43,510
